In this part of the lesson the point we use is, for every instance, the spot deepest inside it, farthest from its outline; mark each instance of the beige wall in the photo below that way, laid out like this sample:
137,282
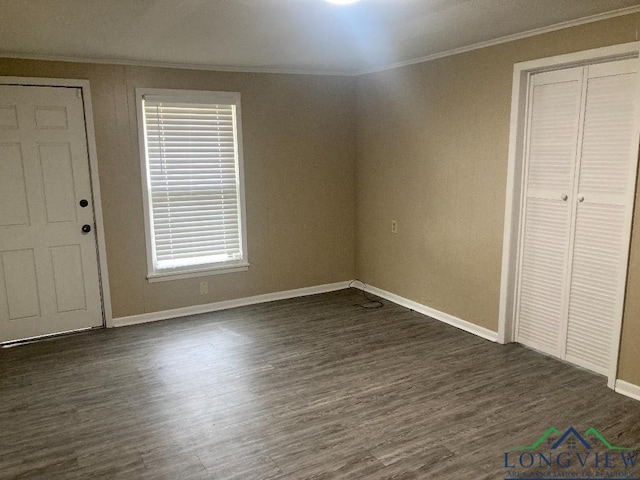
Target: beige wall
299,171
432,154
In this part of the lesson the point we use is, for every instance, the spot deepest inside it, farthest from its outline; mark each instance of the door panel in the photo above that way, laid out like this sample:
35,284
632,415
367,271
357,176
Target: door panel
604,202
49,274
8,116
68,275
608,129
543,271
553,130
555,99
57,181
13,189
598,257
21,284
51,117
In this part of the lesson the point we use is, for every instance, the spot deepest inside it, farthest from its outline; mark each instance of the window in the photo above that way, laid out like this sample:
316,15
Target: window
191,149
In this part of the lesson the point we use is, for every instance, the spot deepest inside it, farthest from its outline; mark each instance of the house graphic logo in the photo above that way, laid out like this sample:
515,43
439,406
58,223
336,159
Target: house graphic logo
571,436
571,454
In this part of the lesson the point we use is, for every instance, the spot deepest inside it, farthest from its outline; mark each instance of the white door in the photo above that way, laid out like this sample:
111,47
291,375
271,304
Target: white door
48,262
604,195
582,150
554,119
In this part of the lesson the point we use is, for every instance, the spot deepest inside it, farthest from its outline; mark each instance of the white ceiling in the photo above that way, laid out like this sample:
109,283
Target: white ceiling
273,35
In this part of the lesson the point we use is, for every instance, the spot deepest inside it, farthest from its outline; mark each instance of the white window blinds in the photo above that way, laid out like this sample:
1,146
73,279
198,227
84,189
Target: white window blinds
193,182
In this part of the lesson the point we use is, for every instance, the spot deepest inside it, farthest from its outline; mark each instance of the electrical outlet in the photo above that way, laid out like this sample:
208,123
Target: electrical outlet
394,226
204,288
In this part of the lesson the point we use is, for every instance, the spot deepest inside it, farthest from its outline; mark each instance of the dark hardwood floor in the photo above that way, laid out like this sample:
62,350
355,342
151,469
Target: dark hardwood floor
313,387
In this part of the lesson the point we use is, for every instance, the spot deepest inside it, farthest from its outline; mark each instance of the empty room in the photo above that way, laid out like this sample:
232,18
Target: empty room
319,239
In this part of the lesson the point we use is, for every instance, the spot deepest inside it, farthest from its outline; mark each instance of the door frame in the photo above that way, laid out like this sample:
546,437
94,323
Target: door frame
522,72
101,249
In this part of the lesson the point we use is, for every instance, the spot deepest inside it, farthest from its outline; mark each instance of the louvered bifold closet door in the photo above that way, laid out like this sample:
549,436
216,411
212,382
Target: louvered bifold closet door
604,200
553,123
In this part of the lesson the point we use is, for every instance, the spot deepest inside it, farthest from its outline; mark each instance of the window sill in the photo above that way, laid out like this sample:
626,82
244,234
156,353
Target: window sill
201,272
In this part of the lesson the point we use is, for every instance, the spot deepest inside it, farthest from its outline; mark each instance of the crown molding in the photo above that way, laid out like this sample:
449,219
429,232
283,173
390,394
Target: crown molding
181,66
341,73
508,38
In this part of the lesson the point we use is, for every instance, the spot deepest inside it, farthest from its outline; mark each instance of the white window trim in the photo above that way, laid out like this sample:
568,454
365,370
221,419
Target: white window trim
204,97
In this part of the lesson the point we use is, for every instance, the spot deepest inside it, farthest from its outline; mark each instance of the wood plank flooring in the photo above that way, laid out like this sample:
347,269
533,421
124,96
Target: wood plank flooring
314,387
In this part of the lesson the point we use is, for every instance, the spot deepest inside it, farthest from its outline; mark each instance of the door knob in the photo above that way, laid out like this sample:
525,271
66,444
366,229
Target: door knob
83,203
581,198
564,197
86,228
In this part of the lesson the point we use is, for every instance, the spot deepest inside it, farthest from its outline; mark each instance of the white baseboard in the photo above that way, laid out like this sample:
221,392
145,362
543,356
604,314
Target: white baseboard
436,314
224,305
301,292
628,389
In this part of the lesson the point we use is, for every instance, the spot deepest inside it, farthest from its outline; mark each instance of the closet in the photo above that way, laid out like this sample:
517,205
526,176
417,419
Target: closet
580,157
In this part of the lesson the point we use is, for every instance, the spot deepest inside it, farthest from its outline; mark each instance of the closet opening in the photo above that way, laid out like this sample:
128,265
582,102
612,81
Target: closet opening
573,154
